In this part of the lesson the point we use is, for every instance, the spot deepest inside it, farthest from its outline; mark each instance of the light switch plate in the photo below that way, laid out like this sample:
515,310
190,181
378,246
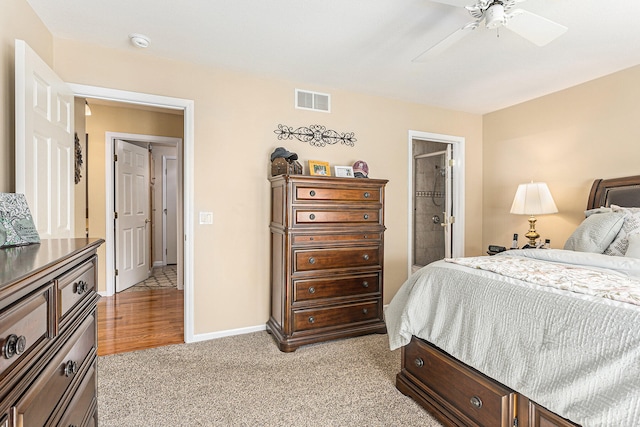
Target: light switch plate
206,217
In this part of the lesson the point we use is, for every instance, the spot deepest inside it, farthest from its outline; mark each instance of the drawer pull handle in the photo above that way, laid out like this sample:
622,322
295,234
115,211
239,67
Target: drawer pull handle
365,310
81,287
312,260
312,217
476,402
367,195
312,193
366,216
365,284
312,290
419,362
14,346
365,257
70,368
312,319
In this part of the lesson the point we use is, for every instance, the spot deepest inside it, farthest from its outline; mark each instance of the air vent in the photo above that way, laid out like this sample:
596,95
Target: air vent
306,100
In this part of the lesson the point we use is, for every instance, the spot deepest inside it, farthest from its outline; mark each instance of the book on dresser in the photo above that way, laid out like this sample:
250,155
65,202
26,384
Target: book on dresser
327,258
48,333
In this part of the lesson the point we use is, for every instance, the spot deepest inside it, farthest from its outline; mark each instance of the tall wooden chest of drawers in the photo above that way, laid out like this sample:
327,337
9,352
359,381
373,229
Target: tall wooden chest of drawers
48,334
327,254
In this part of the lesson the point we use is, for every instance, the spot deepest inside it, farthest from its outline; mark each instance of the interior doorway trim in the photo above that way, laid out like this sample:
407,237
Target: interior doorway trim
187,105
457,143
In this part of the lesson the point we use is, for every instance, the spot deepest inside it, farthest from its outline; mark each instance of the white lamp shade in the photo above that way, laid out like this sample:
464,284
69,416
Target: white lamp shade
533,199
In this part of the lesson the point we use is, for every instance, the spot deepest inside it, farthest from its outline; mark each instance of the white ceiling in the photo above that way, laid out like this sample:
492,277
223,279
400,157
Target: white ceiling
367,45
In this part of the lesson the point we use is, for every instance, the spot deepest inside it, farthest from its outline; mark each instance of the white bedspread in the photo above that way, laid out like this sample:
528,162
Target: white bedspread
576,354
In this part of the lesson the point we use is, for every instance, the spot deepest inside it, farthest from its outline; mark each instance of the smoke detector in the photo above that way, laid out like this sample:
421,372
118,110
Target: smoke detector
139,40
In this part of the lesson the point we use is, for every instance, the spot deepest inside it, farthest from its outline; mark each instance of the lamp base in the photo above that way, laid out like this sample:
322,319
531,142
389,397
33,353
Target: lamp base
532,235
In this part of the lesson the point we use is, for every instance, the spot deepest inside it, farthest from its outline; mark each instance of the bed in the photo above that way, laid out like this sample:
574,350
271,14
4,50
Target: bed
531,337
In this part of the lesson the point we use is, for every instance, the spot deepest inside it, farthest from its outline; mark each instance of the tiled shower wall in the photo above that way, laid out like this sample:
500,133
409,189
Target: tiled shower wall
429,198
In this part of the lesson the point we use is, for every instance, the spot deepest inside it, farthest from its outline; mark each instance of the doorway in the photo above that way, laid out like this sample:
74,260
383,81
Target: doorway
185,220
431,202
436,198
157,148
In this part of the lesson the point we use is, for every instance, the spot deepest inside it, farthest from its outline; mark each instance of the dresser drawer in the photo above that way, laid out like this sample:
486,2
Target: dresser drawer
335,258
341,316
338,287
34,407
23,327
355,193
78,412
483,401
75,287
307,216
303,239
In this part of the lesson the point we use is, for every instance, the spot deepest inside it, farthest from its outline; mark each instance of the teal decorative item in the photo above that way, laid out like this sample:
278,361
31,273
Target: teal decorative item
16,224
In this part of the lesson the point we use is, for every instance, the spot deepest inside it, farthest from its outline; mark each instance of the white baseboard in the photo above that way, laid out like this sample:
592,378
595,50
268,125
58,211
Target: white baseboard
158,264
228,333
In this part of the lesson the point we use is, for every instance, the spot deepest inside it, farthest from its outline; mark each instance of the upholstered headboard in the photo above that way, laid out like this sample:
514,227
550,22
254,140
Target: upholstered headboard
616,191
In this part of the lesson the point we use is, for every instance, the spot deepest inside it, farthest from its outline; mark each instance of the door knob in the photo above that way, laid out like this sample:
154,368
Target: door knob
147,221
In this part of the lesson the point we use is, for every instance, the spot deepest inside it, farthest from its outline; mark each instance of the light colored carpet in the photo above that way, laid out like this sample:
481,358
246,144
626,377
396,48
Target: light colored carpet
246,381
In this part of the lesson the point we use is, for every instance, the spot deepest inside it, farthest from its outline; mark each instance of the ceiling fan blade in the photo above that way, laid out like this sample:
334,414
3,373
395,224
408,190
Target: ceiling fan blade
535,28
457,3
445,43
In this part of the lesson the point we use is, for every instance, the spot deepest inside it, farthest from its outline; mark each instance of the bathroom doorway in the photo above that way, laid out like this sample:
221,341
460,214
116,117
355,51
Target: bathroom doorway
435,200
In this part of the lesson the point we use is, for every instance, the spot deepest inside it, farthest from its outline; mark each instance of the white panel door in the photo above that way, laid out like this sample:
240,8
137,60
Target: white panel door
170,182
45,152
132,214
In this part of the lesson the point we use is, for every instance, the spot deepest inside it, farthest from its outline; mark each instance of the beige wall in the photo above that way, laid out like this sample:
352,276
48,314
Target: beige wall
566,139
235,115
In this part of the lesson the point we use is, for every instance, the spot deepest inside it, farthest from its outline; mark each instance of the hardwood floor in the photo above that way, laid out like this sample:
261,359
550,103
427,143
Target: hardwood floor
138,320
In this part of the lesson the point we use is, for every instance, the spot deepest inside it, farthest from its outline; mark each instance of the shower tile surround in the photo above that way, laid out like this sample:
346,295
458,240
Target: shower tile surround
429,198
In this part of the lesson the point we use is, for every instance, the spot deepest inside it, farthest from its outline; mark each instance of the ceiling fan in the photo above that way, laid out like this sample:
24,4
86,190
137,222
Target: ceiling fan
496,14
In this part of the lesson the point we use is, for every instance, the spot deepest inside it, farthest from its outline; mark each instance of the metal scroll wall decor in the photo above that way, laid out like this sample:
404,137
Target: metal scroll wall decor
316,135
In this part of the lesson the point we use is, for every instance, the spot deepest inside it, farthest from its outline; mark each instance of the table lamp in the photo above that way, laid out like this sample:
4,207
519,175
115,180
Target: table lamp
533,199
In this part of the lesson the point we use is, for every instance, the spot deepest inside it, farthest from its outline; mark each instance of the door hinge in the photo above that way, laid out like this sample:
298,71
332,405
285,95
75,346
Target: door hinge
515,422
452,162
115,215
116,271
115,157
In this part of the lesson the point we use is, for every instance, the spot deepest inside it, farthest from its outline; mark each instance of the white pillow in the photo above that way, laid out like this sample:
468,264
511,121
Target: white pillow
633,250
596,233
630,226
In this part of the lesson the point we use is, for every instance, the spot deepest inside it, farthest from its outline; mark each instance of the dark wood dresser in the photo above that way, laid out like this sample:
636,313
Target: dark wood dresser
48,334
327,253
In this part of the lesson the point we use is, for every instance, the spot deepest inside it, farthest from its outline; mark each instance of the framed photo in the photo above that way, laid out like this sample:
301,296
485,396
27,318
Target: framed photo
344,171
319,168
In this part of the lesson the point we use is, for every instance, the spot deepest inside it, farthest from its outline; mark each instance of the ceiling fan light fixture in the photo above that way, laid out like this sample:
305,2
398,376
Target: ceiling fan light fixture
495,16
139,40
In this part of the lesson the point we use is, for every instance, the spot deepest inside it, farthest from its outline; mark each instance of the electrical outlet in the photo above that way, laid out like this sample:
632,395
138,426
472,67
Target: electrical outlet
206,217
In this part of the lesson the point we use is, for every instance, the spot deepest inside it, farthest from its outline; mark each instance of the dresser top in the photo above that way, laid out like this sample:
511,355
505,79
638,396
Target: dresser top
329,179
20,262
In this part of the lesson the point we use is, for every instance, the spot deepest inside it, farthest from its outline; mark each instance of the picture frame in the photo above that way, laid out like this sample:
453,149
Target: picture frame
318,168
344,171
